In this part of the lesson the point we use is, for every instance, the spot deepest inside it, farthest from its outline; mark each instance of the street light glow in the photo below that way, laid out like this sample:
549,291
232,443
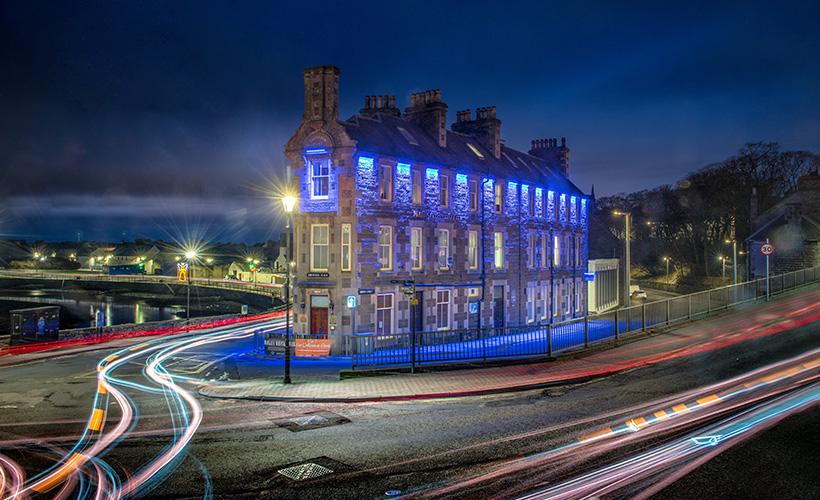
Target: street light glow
289,201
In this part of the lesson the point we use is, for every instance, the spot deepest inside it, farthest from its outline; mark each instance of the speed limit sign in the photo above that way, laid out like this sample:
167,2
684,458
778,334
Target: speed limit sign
767,249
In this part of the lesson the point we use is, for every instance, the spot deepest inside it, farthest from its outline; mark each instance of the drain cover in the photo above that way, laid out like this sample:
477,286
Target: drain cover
304,472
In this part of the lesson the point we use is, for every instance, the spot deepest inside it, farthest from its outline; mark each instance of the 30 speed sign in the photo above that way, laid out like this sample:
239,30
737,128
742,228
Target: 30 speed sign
767,249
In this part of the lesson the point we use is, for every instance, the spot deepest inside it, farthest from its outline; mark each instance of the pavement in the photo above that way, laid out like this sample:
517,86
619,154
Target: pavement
316,381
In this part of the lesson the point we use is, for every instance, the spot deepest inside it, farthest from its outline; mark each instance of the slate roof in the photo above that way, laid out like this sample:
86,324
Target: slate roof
809,229
380,135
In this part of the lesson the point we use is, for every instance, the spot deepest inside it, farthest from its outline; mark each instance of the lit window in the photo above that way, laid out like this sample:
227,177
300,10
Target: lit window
415,248
442,309
472,249
443,248
416,187
386,182
556,252
530,249
577,300
530,304
346,263
319,178
473,195
475,151
319,247
499,198
444,191
384,313
544,293
544,251
499,250
555,300
386,248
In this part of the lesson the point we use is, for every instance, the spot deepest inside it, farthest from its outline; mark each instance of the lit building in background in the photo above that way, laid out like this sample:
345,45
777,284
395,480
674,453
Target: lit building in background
492,236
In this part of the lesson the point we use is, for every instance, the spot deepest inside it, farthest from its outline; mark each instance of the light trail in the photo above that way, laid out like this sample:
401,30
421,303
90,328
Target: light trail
82,471
743,405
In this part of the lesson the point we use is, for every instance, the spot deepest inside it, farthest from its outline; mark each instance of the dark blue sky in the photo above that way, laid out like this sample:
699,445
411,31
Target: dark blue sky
167,120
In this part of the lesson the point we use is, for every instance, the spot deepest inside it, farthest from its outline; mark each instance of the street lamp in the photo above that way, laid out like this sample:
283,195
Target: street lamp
723,275
626,297
288,201
189,255
667,269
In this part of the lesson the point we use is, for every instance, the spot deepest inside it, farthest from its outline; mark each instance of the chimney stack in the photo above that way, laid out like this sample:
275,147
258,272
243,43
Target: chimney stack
486,128
384,104
549,151
430,113
321,94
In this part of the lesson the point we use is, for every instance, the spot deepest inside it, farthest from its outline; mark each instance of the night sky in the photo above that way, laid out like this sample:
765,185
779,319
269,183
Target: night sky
168,120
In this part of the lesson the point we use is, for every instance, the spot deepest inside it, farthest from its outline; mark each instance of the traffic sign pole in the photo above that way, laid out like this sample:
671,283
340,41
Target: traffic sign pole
767,249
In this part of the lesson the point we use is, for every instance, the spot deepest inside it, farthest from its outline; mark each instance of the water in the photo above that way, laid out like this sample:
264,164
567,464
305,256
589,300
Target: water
118,309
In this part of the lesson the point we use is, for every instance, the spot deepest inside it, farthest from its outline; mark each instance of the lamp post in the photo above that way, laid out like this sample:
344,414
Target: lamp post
189,255
626,280
723,273
667,269
734,260
288,202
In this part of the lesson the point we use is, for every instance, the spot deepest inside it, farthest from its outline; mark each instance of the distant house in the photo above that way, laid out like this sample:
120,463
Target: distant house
792,227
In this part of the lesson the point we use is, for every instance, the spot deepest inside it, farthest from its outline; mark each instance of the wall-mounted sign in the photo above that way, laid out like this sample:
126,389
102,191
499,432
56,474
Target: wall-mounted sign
318,275
589,276
351,301
367,291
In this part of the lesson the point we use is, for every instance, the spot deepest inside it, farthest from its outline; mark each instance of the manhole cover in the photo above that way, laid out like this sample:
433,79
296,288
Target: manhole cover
314,420
310,420
304,472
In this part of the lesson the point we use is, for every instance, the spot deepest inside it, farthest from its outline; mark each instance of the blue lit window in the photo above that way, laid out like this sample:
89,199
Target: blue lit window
444,191
473,195
319,170
417,187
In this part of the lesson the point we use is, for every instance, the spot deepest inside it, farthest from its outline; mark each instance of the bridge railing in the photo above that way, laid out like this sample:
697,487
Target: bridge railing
269,289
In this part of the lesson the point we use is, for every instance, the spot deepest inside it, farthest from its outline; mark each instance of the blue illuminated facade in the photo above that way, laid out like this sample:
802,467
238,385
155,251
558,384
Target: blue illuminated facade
407,200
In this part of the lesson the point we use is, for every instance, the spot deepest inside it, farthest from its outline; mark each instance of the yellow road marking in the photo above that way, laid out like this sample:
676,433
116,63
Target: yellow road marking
708,400
96,419
60,474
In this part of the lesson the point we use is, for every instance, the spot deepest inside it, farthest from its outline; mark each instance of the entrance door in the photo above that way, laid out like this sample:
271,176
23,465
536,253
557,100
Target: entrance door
318,315
498,306
318,321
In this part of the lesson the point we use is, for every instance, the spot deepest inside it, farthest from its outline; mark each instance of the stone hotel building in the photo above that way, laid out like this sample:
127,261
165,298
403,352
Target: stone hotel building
491,236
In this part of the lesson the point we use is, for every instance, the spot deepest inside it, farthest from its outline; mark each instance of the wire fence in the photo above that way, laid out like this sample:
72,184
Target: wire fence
369,350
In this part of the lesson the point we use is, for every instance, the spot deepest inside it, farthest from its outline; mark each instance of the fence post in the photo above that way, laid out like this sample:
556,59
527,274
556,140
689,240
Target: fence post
617,324
668,311
643,317
549,340
689,316
483,343
708,301
586,331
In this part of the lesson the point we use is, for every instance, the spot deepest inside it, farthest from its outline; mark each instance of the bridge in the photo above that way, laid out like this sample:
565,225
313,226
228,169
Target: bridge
266,289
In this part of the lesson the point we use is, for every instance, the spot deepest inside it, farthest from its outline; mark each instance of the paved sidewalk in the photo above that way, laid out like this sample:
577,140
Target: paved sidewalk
712,333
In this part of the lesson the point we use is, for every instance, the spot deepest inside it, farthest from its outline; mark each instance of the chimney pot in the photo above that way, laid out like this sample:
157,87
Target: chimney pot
438,95
367,101
563,142
392,101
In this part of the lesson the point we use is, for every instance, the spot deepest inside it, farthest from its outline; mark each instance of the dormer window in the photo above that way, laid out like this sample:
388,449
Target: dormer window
475,151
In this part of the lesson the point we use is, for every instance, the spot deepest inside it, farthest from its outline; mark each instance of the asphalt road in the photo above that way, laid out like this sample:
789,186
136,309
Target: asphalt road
396,449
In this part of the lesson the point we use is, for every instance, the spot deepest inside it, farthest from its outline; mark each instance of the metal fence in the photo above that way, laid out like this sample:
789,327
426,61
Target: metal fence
550,339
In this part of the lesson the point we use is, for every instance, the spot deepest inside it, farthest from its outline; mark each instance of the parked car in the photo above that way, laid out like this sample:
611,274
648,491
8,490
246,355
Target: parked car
639,295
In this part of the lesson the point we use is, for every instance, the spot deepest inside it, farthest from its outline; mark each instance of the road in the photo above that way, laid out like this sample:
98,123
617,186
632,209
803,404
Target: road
154,439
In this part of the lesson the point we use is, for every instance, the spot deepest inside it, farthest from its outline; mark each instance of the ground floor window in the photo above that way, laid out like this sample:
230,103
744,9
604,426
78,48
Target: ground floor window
442,309
530,304
384,313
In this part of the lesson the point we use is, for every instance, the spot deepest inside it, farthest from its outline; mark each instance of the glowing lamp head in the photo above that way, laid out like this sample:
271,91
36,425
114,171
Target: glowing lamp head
289,202
190,255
